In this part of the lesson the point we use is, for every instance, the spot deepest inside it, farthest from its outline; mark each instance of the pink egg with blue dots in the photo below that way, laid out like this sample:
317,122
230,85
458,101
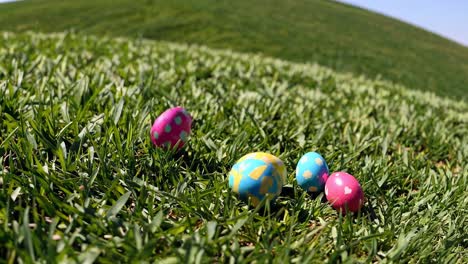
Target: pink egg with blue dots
312,172
344,192
172,128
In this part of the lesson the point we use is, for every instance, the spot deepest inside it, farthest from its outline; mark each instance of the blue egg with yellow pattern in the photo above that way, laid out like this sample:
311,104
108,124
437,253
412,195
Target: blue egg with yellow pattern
312,172
257,174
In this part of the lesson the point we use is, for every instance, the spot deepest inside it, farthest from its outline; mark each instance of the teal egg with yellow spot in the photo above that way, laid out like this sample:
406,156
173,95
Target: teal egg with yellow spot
257,175
312,172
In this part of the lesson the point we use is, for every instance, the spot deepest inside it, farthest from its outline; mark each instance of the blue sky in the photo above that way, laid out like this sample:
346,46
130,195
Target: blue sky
448,18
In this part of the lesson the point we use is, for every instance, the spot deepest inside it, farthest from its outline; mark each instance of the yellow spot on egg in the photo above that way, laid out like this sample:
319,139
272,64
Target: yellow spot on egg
276,162
257,172
268,158
267,182
281,171
319,161
254,200
307,174
313,189
279,184
237,180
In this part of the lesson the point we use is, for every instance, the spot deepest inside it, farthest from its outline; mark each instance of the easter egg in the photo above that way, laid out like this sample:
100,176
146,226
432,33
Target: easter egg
257,174
312,172
172,128
344,192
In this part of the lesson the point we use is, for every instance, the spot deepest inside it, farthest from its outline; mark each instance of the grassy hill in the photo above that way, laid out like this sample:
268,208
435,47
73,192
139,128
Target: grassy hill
342,37
80,180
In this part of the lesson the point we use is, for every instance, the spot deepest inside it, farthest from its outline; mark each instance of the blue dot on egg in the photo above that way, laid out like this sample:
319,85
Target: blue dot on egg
183,136
178,120
312,172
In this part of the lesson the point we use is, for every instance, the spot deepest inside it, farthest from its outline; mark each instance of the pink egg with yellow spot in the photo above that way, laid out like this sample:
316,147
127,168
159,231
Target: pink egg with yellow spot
344,192
172,128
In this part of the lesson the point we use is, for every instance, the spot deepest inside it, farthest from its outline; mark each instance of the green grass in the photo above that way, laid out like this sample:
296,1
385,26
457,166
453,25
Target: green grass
338,36
80,180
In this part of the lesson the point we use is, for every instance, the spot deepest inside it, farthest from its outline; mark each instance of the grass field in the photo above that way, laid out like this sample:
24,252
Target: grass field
342,37
80,180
